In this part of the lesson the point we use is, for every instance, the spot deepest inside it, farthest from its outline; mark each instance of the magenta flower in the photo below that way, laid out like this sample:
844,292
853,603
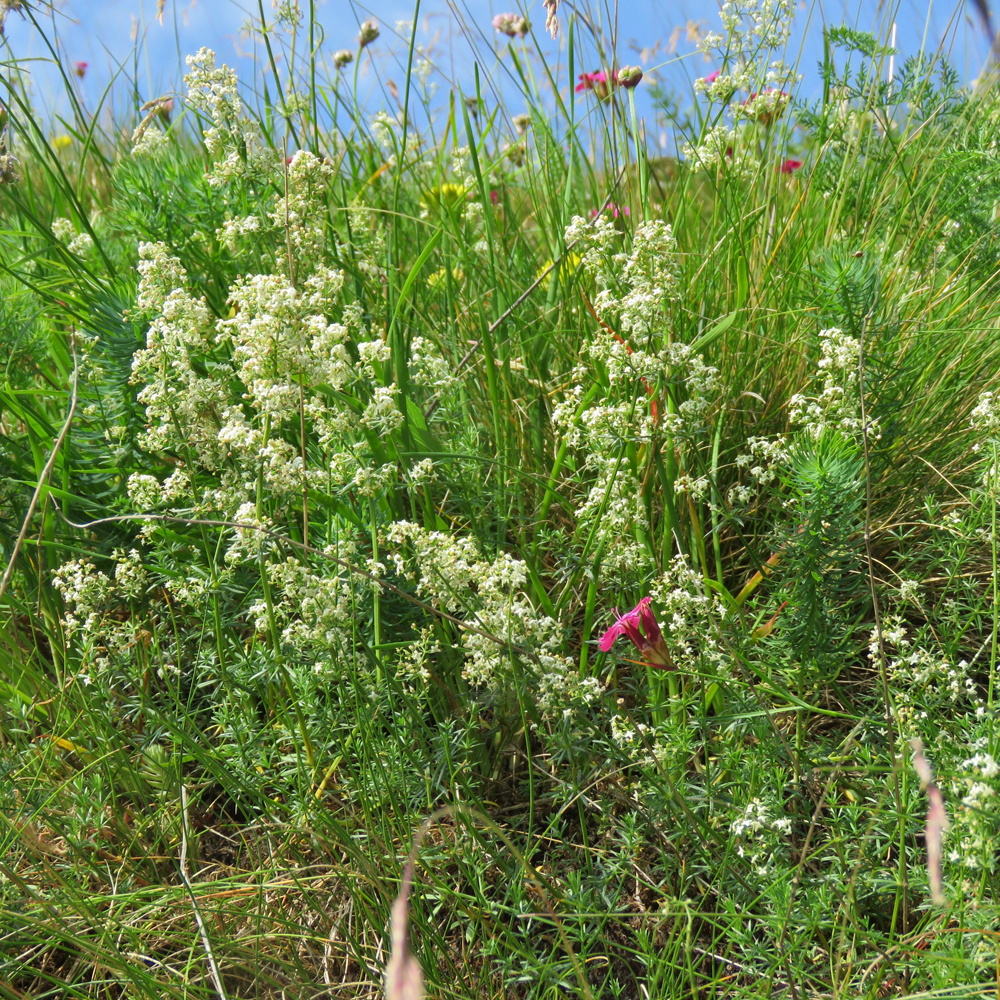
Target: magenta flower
597,82
80,69
712,77
648,640
614,209
790,166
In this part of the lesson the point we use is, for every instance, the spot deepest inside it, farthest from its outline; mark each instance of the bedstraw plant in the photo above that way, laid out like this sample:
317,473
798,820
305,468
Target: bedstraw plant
334,436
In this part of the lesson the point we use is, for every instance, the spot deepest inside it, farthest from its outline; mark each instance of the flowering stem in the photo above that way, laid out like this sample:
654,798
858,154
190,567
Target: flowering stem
667,473
640,160
266,35
376,603
588,614
654,682
302,446
991,496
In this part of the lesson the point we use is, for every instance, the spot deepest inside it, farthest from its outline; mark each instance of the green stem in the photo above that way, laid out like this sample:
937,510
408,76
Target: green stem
376,600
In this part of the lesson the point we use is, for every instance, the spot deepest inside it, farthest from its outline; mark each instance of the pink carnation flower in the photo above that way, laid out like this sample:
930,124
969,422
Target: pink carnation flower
597,82
648,639
614,209
790,166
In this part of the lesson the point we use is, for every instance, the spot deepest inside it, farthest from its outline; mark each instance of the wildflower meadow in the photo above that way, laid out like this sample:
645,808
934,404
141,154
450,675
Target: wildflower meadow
471,546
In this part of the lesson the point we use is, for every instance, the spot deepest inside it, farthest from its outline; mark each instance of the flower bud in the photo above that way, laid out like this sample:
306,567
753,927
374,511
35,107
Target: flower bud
629,76
368,33
342,58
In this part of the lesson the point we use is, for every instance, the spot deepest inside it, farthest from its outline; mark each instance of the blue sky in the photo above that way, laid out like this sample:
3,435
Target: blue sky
104,32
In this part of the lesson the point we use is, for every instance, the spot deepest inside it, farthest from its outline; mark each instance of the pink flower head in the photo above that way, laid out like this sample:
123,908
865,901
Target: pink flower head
80,69
614,209
648,640
712,77
597,82
511,25
494,196
790,166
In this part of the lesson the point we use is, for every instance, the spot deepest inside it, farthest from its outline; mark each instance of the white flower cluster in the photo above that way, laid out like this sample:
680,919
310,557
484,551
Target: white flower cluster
985,417
763,460
700,384
766,23
838,404
489,594
92,602
412,670
600,435
85,591
182,403
313,610
279,344
635,287
251,537
754,28
130,574
65,232
722,147
689,617
301,214
971,841
924,683
646,280
384,128
214,92
761,837
597,243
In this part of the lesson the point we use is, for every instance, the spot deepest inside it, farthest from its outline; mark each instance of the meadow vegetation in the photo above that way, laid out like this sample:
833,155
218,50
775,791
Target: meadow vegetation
623,519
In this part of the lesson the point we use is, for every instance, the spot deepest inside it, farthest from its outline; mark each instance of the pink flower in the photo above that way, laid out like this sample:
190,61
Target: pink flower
648,640
80,68
511,25
790,166
614,209
597,82
494,197
712,77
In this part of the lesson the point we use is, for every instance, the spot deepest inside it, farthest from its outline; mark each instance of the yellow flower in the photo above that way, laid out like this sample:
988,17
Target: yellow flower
448,196
569,265
61,142
438,277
